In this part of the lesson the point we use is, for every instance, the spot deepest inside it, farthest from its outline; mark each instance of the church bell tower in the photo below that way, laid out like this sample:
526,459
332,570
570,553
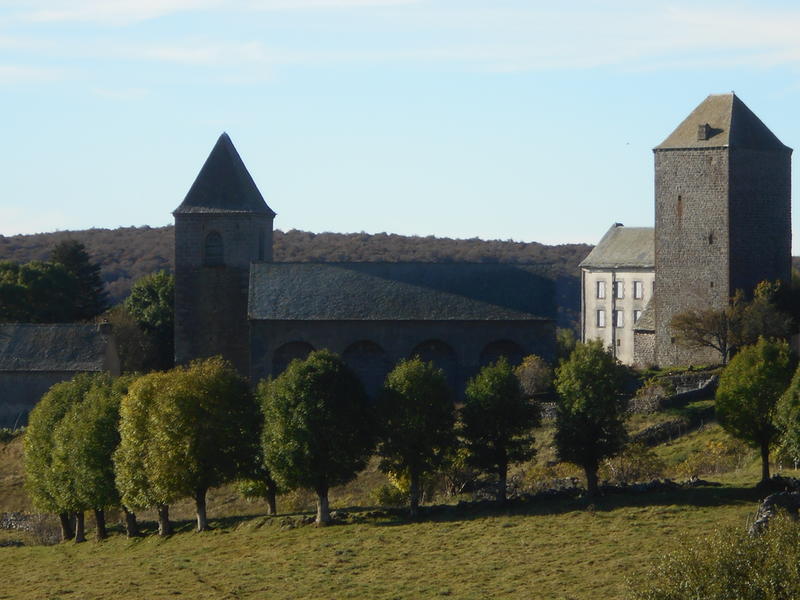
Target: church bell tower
221,227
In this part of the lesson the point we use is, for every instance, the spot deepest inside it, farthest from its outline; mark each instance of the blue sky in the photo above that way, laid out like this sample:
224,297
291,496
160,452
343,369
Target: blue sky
495,119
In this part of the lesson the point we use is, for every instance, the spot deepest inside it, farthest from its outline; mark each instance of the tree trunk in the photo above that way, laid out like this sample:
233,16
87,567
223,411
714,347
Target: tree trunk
200,504
80,532
323,510
591,480
413,493
66,527
100,532
131,526
164,525
272,492
502,488
764,461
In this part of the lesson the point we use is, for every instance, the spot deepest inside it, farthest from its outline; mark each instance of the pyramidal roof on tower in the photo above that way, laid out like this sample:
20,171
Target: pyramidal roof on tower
722,120
224,185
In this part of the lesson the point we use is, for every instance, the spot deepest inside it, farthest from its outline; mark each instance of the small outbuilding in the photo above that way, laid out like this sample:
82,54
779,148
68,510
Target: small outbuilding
33,357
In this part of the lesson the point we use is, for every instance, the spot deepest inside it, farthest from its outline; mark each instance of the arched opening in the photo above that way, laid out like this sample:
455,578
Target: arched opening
287,353
441,355
370,363
213,251
493,351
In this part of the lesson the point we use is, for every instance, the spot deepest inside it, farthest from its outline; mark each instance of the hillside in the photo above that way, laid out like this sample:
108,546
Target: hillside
128,253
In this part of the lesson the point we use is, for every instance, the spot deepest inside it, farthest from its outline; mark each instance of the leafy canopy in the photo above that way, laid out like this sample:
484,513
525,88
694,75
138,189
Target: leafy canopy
43,482
497,419
417,418
590,413
318,427
749,389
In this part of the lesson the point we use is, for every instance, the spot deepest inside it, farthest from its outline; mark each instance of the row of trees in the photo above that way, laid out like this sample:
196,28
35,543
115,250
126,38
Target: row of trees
144,442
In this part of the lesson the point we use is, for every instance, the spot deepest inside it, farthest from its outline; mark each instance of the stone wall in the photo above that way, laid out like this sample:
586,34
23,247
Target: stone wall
722,224
459,347
761,231
691,242
21,390
211,301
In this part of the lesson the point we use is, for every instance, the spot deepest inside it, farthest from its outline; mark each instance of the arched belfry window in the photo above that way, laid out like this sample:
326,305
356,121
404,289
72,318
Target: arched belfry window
213,251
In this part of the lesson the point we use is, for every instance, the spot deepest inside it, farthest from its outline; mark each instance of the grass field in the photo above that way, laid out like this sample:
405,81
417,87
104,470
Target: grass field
543,550
567,549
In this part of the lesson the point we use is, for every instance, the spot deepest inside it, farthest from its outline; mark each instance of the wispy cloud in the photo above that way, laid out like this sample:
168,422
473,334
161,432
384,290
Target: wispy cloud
120,12
17,74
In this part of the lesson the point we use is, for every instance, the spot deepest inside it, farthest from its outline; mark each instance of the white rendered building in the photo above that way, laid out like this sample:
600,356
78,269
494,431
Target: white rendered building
617,280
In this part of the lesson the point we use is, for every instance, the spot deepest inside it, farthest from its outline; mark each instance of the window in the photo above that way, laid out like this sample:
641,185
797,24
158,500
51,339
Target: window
601,318
601,289
636,315
619,342
619,318
638,290
619,289
213,256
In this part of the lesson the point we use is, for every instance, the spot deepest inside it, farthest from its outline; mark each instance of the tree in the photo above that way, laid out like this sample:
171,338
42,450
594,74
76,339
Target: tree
92,298
739,324
317,426
83,443
200,432
787,419
36,292
152,305
590,413
41,480
496,422
535,375
748,393
416,423
136,349
132,456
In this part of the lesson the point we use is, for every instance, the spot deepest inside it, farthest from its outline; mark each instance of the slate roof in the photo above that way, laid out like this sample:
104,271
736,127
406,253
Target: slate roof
623,247
647,321
732,125
399,292
224,185
52,347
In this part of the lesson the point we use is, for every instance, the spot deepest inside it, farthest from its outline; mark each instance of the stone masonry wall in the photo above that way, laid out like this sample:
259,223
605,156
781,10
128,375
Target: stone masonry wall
691,243
211,301
761,230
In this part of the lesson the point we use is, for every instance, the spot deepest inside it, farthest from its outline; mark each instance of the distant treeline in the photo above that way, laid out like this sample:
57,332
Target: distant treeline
128,253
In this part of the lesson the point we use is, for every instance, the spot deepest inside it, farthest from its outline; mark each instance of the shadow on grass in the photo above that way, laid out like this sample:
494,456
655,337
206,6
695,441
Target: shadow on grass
468,511
697,497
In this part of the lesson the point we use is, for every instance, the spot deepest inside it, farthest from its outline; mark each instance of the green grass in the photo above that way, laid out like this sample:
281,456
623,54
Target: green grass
542,550
553,549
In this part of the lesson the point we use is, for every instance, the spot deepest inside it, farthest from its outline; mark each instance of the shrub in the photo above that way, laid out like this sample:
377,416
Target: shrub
636,463
729,564
389,495
716,457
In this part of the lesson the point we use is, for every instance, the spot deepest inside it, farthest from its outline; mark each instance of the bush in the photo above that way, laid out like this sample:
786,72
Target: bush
389,495
729,564
7,434
636,463
717,457
535,375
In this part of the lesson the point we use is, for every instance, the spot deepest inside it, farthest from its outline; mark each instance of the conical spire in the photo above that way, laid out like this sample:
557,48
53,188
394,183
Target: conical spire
224,185
722,120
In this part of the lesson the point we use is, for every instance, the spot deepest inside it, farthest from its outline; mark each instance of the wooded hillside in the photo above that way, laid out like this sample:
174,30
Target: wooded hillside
128,253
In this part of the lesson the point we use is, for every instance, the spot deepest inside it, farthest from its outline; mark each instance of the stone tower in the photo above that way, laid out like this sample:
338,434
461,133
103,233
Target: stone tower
221,227
723,196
